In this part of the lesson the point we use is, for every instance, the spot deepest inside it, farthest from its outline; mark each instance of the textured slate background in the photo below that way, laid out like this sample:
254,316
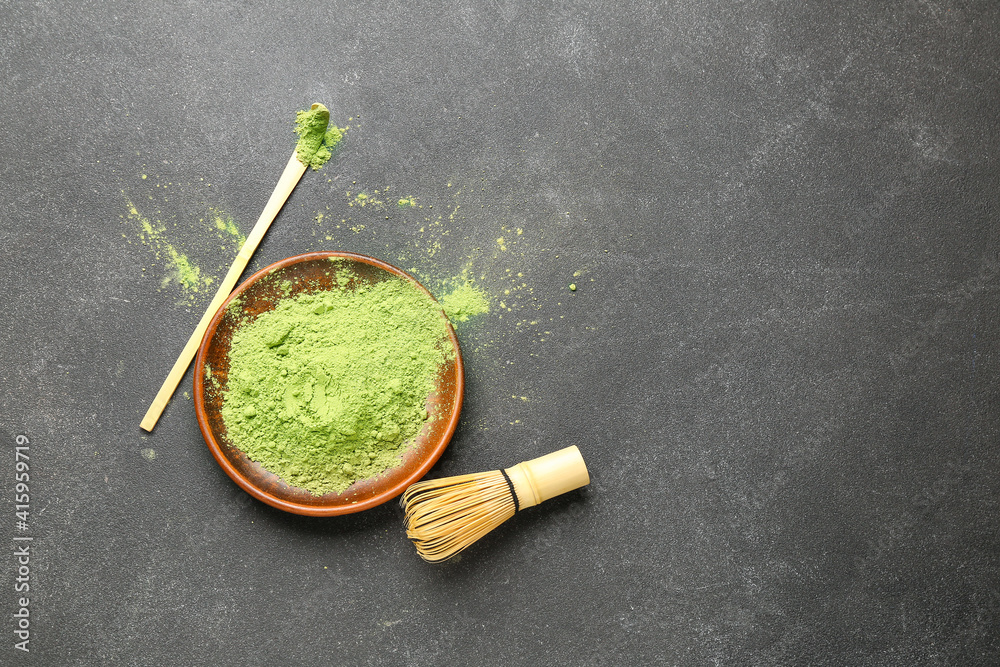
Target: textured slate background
780,364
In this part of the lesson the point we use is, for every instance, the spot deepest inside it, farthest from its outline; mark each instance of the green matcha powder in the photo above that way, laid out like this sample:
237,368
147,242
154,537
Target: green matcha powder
331,387
317,138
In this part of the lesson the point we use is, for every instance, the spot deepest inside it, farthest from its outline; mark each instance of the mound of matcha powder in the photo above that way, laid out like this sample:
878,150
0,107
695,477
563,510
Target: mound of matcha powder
331,387
464,302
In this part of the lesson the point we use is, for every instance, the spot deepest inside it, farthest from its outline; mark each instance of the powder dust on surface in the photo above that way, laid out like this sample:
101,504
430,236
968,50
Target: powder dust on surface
432,226
218,238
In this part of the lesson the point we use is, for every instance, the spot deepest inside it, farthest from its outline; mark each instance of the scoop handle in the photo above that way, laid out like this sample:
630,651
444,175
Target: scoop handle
286,183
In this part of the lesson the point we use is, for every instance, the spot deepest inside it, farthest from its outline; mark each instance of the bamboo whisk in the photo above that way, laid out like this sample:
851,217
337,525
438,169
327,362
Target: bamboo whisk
444,516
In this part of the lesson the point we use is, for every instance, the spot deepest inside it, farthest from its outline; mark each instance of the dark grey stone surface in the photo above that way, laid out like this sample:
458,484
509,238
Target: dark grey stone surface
780,362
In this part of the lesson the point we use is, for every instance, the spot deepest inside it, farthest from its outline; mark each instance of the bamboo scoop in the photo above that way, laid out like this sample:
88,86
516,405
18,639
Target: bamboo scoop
286,183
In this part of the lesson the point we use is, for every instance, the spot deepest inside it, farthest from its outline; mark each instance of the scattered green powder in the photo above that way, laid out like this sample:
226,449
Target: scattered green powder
180,268
464,302
316,139
227,228
572,287
331,387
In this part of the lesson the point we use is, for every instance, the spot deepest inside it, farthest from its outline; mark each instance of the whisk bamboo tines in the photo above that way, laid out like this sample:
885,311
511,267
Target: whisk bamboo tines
444,516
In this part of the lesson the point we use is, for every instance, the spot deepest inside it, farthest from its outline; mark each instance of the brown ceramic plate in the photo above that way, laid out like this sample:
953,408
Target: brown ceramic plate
261,293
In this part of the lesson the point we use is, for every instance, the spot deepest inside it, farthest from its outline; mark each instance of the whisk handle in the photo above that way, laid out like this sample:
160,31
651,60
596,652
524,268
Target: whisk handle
548,476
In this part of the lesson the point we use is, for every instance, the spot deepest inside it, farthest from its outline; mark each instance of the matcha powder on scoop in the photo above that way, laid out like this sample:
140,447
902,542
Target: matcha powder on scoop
331,387
317,138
